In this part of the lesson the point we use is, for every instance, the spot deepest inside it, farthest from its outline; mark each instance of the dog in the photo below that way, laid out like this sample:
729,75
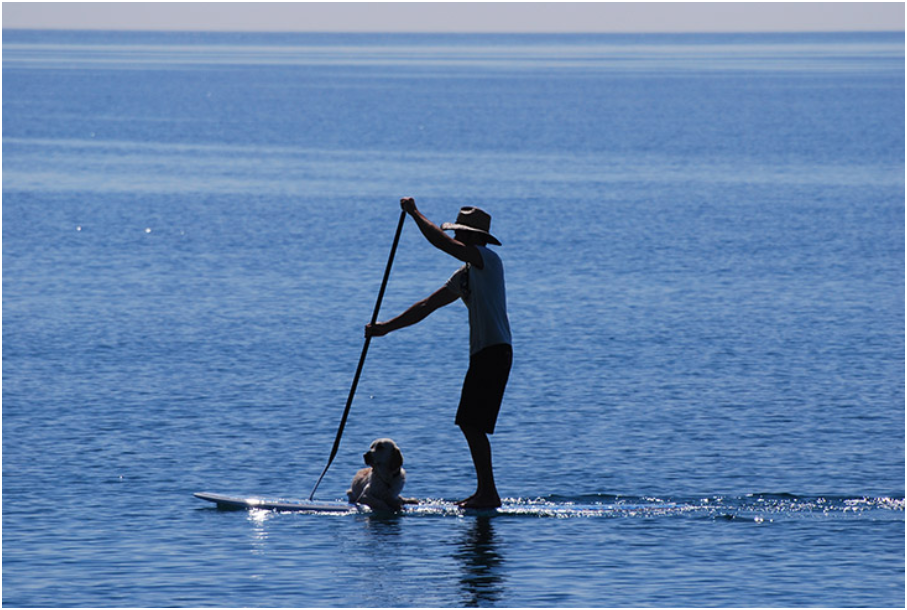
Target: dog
379,485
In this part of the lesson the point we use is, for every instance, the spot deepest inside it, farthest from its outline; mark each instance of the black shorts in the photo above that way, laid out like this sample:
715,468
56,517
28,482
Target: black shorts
483,388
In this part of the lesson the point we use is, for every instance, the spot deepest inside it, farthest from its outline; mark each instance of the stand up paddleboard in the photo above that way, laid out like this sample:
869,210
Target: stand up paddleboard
242,503
305,506
438,507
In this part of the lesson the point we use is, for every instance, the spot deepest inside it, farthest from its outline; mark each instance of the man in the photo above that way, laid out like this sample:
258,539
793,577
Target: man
480,284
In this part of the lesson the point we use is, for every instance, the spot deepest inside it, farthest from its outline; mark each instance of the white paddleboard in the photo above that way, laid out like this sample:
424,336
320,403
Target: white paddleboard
247,503
309,506
435,507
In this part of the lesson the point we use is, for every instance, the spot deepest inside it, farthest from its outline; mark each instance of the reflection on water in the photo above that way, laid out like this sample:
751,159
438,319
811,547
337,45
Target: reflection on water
259,535
482,578
382,529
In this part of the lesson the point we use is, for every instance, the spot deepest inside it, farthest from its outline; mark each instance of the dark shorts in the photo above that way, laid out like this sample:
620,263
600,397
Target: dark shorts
483,388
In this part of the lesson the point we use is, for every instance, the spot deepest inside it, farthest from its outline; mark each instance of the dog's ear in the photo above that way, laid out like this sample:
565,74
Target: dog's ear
396,459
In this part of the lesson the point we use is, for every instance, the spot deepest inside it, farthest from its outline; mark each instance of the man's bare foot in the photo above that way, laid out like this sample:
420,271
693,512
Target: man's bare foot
466,501
481,502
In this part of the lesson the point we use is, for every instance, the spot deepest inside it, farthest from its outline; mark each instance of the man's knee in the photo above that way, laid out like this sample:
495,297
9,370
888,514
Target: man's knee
472,431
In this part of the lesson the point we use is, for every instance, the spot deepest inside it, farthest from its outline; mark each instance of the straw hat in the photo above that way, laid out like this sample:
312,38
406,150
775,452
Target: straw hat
475,220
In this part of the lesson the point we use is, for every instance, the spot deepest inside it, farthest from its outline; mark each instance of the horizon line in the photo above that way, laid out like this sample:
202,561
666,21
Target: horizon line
454,32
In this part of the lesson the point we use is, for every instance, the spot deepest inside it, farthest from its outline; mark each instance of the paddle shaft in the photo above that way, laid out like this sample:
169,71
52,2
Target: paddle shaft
349,400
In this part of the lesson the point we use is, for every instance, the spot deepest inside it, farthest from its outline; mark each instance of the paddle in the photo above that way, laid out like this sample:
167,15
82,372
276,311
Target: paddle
349,400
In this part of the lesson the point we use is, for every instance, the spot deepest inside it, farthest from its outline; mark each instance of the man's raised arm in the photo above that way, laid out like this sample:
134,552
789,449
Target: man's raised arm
440,239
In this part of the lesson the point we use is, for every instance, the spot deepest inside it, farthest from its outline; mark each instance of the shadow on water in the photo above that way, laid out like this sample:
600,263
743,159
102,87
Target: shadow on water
482,577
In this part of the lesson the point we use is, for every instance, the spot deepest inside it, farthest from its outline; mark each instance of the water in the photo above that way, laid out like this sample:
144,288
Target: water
704,246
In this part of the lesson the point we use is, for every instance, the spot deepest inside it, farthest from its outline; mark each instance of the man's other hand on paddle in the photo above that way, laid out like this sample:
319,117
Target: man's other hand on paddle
375,330
416,313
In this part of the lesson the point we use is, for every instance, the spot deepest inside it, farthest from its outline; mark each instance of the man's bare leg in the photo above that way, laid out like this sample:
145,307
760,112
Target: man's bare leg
486,495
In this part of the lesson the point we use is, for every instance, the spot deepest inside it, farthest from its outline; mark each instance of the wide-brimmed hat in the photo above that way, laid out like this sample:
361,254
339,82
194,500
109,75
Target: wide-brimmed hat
475,220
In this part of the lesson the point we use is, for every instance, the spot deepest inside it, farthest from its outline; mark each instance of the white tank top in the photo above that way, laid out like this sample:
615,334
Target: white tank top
482,290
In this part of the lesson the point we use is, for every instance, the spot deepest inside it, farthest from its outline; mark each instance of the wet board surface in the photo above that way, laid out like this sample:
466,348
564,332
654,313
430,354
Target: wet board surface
432,507
250,502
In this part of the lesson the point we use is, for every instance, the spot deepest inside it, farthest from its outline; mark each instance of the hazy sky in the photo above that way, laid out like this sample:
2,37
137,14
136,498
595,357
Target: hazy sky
459,16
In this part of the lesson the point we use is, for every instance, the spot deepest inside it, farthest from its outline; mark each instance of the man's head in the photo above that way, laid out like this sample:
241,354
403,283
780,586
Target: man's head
472,224
470,238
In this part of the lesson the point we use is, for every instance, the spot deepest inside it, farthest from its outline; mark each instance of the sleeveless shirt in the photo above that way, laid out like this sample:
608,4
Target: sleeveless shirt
482,290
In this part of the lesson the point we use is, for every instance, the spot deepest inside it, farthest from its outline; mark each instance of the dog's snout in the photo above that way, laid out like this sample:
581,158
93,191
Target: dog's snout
367,456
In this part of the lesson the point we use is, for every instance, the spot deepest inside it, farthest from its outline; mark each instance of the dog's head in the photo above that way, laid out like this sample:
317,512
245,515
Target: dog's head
384,455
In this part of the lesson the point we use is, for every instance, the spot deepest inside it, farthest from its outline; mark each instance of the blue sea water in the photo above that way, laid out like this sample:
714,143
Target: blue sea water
704,246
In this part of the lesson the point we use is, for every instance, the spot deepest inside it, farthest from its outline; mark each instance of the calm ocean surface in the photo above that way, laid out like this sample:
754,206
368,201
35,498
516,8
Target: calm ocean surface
704,246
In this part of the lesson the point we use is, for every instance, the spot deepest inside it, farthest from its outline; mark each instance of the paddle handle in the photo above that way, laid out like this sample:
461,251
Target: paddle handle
349,400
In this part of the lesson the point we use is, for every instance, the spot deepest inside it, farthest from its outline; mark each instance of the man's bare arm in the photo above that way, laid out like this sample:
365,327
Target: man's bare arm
416,313
440,239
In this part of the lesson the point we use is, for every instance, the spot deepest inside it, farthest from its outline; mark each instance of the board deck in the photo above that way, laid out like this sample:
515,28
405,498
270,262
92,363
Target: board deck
431,507
246,503
310,506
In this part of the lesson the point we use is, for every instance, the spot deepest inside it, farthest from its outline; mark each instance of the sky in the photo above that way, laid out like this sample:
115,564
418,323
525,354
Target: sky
458,16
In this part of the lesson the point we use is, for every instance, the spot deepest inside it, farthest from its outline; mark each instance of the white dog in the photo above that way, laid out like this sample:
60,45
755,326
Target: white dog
379,485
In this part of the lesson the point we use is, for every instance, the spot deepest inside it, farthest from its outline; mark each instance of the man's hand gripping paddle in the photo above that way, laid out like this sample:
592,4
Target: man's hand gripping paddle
349,400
